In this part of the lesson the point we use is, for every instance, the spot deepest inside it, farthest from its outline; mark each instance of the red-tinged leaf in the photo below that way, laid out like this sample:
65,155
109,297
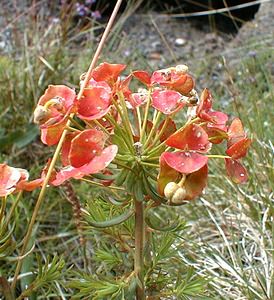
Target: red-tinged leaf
62,92
195,183
192,137
9,177
166,175
185,162
107,72
50,135
66,147
95,103
166,101
29,185
142,76
137,99
85,146
235,132
170,128
239,149
205,102
101,161
96,165
65,174
236,171
219,119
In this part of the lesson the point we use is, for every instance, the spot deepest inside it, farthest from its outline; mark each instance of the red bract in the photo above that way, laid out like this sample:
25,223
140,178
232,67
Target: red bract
235,132
52,112
238,143
97,164
175,78
107,72
85,146
9,177
239,149
167,101
138,99
95,102
236,171
15,179
185,162
143,76
191,137
50,134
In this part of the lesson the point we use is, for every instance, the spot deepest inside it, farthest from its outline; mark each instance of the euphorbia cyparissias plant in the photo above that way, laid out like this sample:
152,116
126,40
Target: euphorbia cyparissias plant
134,136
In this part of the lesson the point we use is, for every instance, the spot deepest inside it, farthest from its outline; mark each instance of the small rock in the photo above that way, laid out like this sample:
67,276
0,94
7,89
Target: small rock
180,42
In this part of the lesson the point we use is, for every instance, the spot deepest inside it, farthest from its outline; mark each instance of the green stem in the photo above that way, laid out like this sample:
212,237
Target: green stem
154,126
145,117
14,205
124,116
3,208
218,156
103,186
139,249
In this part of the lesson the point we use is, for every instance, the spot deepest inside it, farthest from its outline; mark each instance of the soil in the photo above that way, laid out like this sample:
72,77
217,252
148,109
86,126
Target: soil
154,41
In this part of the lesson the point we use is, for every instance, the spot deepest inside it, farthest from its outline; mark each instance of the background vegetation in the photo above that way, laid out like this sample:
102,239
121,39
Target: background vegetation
223,247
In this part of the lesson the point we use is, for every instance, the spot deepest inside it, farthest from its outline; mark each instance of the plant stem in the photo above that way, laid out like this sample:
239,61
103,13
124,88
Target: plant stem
60,143
143,130
139,249
7,292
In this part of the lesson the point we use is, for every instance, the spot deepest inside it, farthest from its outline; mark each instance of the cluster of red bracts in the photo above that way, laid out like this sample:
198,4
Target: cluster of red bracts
183,171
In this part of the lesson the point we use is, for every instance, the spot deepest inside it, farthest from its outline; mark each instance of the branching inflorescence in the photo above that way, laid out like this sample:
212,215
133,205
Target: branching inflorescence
135,141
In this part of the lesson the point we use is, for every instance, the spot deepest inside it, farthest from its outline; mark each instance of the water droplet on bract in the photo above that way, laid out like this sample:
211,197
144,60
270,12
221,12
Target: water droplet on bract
86,140
99,107
187,154
242,174
94,151
199,134
182,164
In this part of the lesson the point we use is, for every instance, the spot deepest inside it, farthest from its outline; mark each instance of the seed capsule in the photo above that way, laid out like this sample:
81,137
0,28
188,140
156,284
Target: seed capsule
179,196
170,190
40,114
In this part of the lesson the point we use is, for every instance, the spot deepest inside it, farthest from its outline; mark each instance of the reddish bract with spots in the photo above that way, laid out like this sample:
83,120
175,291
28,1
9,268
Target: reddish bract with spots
85,146
95,165
108,72
191,137
167,101
185,162
239,149
236,171
174,79
95,102
238,145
